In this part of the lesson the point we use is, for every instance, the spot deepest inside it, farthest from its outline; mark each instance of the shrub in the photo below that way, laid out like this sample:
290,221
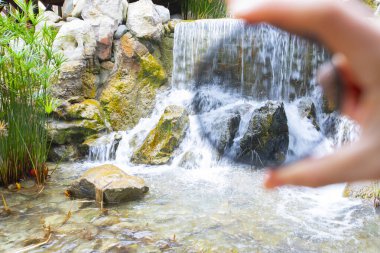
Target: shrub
28,66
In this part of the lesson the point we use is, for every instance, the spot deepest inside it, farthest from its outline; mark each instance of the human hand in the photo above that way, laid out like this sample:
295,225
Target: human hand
344,27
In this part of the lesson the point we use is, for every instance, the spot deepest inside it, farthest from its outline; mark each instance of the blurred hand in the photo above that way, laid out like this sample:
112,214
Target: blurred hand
343,27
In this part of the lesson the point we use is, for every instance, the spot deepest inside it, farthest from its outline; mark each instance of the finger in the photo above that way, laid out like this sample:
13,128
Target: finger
357,162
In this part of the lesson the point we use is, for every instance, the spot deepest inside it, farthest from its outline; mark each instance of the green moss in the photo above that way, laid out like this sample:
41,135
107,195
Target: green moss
89,85
151,72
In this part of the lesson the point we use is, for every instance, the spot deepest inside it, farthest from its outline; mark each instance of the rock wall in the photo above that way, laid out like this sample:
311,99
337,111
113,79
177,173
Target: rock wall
117,55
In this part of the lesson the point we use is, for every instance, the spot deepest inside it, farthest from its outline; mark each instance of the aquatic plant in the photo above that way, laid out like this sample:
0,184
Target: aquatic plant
28,65
201,9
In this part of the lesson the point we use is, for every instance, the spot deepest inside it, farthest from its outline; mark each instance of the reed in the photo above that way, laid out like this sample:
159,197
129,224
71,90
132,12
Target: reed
204,9
28,66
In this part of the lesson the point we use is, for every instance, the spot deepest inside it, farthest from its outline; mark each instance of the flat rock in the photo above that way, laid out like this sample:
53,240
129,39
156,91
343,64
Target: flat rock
117,186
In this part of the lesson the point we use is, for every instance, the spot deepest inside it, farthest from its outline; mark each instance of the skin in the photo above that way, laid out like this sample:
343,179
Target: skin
346,29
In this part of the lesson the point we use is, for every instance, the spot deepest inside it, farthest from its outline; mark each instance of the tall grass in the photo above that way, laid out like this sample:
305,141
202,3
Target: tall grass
28,66
203,9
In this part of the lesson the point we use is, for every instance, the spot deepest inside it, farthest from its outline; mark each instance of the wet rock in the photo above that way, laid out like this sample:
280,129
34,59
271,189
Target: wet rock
330,125
161,142
362,190
190,160
76,41
130,95
117,186
166,49
144,21
223,130
66,153
306,109
267,138
106,144
205,101
106,221
121,30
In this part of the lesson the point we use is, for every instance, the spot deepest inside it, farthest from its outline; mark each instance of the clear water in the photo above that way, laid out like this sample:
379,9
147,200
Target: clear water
216,206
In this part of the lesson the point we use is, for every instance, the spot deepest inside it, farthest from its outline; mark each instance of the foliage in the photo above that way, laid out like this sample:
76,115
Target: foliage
200,9
28,66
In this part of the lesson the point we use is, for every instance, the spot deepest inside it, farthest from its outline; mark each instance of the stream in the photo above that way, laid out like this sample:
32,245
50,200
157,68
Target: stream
207,204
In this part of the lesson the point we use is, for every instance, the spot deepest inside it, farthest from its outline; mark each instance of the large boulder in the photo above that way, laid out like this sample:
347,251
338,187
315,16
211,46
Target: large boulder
161,142
76,41
266,140
114,184
114,9
130,93
145,20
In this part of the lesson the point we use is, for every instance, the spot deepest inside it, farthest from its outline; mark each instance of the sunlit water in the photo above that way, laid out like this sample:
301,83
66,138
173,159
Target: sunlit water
216,206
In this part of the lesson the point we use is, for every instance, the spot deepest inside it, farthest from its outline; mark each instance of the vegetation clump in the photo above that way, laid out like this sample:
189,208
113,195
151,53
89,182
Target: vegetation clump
28,66
201,9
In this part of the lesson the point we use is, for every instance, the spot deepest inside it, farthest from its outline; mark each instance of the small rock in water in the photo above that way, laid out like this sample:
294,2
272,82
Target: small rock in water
190,160
117,186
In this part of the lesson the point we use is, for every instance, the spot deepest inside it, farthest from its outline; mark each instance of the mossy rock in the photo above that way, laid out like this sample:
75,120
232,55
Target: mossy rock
72,132
88,109
362,190
166,47
267,138
128,97
89,85
162,141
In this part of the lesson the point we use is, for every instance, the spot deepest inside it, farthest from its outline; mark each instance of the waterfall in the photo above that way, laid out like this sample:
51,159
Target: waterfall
266,63
263,63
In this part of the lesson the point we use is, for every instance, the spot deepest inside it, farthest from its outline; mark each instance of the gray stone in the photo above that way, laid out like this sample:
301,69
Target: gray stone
163,12
267,138
76,41
115,185
114,9
144,21
121,30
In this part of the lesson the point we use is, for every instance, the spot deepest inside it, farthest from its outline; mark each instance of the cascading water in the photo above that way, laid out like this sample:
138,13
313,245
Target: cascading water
215,204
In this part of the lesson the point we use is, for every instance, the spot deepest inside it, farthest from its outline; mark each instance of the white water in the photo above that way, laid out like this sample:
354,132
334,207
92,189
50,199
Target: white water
190,202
